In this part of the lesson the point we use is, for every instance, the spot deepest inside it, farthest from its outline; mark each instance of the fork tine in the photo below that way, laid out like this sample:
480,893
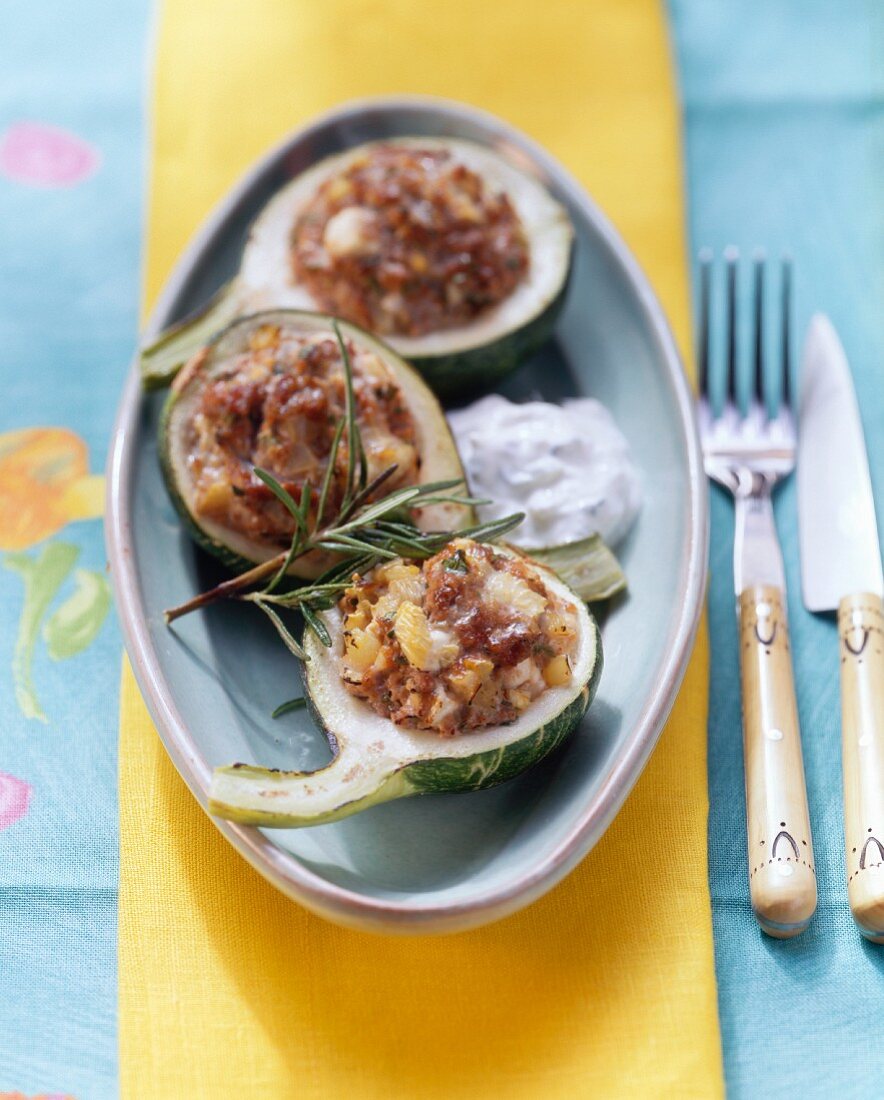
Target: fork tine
731,256
705,258
786,328
758,310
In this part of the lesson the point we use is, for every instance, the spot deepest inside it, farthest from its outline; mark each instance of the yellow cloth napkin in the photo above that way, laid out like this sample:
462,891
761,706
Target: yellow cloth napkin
606,986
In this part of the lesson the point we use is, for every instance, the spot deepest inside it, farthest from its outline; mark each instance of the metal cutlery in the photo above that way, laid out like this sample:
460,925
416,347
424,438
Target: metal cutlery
748,454
841,570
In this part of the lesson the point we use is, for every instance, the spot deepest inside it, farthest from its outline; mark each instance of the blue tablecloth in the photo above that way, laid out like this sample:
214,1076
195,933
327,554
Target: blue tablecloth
784,128
72,161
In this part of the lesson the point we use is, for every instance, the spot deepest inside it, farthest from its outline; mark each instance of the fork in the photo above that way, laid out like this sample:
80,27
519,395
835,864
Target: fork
748,453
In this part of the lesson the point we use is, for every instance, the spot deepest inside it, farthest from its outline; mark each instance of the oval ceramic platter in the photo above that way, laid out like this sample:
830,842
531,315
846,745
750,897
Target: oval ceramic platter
447,861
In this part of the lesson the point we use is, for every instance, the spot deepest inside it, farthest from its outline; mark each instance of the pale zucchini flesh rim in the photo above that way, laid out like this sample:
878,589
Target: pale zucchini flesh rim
265,281
439,458
373,755
265,278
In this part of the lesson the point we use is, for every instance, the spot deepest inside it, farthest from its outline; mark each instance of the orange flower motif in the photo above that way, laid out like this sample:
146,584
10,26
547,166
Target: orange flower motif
44,484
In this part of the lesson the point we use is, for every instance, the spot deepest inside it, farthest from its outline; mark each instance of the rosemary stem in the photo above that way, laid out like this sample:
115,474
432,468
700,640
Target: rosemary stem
227,589
230,589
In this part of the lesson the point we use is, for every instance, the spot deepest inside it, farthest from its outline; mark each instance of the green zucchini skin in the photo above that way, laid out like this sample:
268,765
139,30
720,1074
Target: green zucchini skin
469,773
588,566
468,373
458,374
234,562
161,360
488,769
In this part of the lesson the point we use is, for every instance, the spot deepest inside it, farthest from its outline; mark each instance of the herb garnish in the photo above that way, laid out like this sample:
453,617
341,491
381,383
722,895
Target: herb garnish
457,563
289,705
364,531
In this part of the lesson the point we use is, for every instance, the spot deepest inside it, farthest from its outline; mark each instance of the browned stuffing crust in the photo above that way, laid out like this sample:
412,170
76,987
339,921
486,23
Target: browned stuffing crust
276,406
468,640
408,241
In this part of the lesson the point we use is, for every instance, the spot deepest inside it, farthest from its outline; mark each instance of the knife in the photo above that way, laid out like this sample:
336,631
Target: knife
841,569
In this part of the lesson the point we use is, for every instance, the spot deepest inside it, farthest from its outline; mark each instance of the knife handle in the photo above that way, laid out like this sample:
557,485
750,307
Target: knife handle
782,880
861,630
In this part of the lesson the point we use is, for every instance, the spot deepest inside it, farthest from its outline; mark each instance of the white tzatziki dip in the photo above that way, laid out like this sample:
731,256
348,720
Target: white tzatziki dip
567,467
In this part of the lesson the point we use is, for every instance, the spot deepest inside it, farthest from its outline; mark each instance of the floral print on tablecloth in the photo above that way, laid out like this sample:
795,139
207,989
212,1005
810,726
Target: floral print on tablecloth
39,155
15,795
45,485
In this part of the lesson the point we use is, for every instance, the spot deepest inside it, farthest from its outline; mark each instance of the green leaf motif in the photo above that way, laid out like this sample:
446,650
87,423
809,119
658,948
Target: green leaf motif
74,626
42,575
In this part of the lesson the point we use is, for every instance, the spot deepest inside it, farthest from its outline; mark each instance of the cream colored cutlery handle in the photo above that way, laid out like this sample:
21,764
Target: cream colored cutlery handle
861,630
782,880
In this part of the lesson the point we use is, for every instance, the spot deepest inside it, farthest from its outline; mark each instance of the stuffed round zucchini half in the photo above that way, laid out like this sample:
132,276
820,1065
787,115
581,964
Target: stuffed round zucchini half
269,392
456,257
408,710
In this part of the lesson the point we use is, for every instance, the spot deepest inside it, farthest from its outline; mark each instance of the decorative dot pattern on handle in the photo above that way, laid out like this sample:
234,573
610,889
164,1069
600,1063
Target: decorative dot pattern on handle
861,632
781,868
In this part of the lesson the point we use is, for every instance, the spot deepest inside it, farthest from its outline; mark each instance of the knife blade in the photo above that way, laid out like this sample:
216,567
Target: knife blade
836,511
841,568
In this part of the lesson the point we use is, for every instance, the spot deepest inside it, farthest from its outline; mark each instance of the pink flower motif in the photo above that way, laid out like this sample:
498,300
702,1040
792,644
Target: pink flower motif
42,1096
45,156
15,795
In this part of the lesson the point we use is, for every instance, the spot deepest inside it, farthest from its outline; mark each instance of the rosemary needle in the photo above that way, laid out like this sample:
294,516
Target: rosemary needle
289,705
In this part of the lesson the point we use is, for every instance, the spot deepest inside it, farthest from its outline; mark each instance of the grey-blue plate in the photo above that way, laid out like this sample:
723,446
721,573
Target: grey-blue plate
436,862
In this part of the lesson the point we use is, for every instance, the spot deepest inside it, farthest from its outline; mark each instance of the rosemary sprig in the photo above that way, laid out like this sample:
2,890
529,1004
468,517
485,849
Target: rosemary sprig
366,538
364,531
363,545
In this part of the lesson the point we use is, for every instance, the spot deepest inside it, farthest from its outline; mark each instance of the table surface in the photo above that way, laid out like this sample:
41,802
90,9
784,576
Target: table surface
784,135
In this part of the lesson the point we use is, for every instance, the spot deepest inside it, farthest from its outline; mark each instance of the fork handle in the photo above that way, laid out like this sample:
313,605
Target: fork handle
782,880
861,630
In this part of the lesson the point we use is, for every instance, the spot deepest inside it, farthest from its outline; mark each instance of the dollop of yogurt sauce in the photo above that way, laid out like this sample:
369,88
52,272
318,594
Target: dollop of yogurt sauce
567,467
